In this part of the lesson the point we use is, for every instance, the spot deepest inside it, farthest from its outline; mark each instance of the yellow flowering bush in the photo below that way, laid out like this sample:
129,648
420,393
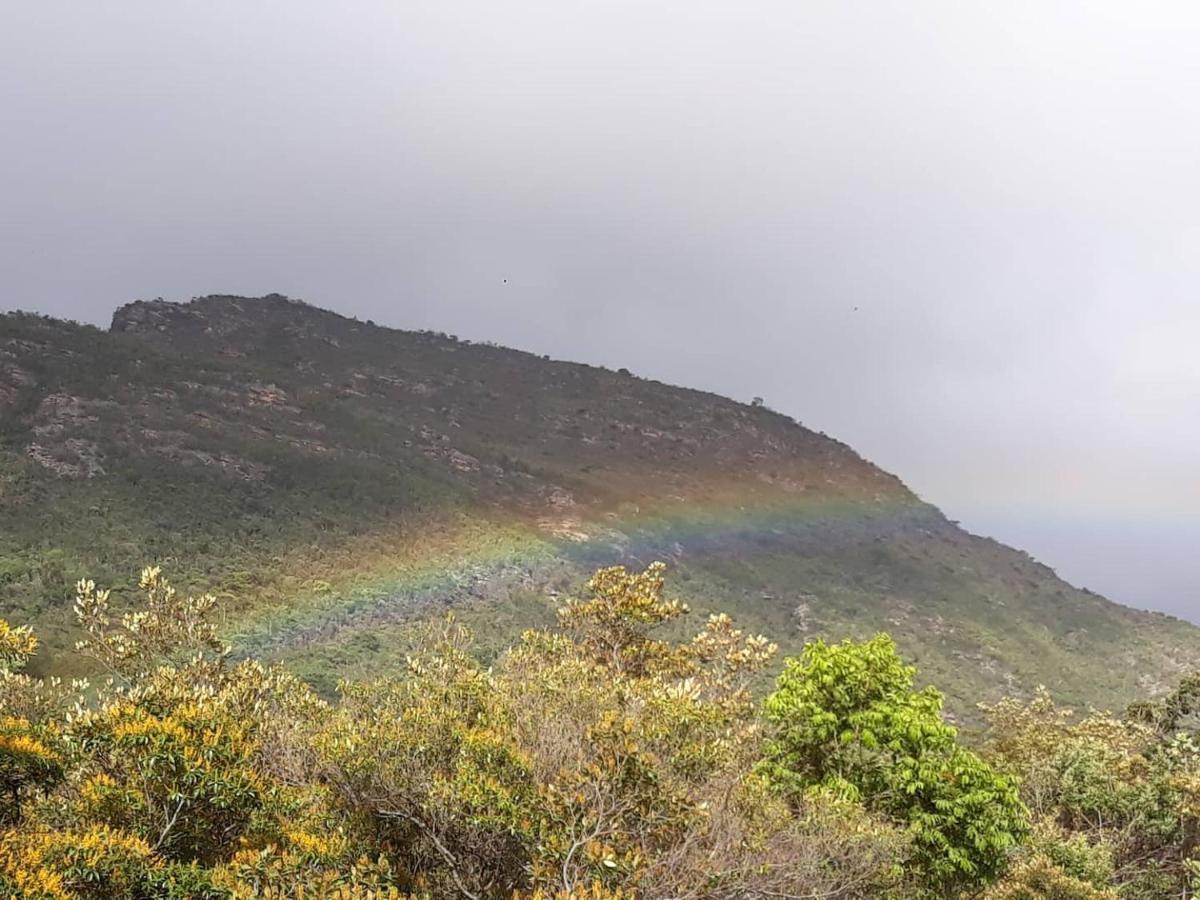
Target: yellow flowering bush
17,645
98,862
27,762
599,760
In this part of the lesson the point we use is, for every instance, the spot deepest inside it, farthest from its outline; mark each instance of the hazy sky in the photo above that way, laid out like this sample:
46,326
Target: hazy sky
964,237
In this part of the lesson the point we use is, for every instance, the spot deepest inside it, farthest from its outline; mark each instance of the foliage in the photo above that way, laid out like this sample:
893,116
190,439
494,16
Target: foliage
27,761
17,646
613,757
846,718
1116,801
1038,878
167,627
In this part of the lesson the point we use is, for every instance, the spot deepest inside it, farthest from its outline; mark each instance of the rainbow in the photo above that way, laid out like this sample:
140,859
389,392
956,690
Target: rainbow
400,576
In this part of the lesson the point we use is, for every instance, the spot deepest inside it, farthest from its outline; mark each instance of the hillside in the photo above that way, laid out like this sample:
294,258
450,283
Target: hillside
334,480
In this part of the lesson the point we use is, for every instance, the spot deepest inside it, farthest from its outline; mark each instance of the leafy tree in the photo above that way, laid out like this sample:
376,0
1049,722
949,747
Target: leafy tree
846,718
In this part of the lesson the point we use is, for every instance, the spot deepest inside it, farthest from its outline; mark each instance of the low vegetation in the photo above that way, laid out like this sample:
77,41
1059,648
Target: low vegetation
595,759
340,480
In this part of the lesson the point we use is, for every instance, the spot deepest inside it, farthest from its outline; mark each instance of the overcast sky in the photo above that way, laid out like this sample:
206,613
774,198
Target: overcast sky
964,237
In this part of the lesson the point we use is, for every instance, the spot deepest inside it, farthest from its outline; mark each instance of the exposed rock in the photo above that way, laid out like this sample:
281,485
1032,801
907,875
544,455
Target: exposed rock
565,529
308,445
227,462
59,412
12,379
147,315
269,395
155,437
75,458
463,462
560,499
802,613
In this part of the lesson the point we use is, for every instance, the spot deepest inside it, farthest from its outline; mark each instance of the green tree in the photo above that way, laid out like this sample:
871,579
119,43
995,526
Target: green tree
846,718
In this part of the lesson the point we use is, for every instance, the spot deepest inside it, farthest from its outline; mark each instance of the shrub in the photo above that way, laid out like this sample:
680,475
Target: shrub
599,760
845,718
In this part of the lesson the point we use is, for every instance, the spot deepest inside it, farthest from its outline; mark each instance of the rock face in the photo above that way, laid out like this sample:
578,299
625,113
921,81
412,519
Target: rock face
73,458
265,446
13,379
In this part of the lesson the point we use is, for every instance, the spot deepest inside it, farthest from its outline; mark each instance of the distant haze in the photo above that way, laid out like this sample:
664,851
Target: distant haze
962,237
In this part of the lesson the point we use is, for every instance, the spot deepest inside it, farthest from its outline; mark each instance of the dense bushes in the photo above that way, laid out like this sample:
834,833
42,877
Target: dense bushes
1116,801
594,760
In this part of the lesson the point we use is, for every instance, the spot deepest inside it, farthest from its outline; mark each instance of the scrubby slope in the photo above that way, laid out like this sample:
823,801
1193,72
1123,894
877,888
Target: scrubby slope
334,479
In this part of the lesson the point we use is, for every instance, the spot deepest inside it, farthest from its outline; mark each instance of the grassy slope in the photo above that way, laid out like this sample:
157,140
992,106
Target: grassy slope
338,479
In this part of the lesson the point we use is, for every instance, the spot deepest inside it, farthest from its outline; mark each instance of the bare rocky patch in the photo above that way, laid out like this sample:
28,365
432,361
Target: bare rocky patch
74,458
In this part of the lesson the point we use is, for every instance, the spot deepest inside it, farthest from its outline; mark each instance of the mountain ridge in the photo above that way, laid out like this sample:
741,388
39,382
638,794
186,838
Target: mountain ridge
334,479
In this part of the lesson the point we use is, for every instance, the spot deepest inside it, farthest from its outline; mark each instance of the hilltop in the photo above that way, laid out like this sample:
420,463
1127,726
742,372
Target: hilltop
333,480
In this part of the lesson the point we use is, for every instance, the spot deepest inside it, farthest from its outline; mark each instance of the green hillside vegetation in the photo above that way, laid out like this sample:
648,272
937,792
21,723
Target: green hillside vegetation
596,759
335,483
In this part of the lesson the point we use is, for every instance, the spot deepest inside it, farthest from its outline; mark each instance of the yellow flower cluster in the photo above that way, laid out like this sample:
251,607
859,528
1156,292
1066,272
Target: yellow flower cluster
56,865
315,845
96,789
17,645
134,725
16,746
25,759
